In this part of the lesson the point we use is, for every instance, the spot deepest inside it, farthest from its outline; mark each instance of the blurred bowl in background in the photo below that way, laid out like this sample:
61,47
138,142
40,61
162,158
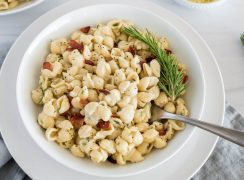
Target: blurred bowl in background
22,7
199,5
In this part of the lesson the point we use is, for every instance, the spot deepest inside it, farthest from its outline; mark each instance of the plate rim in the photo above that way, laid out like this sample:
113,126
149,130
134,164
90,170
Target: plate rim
16,42
130,173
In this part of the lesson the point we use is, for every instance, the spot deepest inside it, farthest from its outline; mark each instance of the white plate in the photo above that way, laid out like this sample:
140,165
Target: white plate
21,7
39,166
29,74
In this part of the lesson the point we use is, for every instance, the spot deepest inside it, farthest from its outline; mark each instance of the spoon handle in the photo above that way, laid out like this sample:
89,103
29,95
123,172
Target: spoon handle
232,135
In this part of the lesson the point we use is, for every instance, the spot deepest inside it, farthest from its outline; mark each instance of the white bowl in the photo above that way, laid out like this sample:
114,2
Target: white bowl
29,72
21,7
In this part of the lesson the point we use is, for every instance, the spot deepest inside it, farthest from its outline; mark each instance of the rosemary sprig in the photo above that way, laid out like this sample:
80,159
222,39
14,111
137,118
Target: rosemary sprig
242,38
171,78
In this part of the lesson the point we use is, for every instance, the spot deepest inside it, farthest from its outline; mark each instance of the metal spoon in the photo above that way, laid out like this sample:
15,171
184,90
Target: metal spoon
232,135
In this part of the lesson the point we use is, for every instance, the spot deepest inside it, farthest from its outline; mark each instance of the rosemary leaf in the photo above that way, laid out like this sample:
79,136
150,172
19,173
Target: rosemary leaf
171,78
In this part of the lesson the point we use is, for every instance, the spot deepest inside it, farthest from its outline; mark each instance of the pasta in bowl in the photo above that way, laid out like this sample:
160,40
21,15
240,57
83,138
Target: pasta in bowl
97,88
85,115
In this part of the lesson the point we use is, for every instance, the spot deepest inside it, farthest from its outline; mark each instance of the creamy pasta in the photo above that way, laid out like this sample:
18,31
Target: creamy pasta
97,88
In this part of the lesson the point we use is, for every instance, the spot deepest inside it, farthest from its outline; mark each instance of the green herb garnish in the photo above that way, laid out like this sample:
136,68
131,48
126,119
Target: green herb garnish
171,78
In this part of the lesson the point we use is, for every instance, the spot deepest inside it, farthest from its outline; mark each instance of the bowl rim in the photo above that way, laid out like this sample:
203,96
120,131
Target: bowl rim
23,7
99,174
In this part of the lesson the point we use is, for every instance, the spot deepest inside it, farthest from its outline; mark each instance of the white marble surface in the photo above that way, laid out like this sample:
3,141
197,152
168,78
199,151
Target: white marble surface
220,27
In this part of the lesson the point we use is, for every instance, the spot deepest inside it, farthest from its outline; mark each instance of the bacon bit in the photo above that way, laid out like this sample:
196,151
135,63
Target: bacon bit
114,116
89,62
105,125
47,65
85,29
77,121
162,132
168,51
68,113
69,49
185,79
132,50
142,62
75,45
104,91
84,102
